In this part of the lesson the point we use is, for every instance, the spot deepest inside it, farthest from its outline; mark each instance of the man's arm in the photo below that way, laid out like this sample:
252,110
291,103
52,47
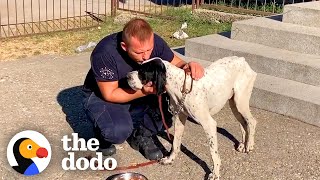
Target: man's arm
112,93
193,68
178,62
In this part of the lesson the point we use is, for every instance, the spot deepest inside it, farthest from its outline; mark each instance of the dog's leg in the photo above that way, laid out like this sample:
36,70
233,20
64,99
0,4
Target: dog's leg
179,123
210,127
242,97
243,124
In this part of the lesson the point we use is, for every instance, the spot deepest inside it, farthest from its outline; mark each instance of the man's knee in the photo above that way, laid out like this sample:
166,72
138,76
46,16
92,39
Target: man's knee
115,124
120,134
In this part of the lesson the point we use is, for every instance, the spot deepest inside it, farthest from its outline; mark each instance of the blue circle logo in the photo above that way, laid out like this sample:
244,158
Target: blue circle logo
29,152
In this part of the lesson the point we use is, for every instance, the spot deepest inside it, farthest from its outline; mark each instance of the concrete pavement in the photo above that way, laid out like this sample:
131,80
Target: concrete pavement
42,93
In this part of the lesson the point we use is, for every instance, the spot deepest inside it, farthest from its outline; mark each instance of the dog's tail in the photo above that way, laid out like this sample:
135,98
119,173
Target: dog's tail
249,71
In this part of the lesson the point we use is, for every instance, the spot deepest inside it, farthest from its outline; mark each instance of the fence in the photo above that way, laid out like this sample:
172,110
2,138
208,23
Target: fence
24,17
254,7
151,7
42,16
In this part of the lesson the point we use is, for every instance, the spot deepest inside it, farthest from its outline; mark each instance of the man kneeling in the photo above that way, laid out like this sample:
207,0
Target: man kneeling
118,112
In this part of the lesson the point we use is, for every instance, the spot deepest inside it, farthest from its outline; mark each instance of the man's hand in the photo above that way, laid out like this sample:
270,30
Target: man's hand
149,88
194,69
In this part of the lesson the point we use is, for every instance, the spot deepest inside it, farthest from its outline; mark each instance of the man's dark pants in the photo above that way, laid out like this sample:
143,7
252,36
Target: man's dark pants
114,123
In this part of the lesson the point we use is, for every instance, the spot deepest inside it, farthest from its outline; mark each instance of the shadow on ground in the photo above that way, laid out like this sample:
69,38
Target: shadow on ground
190,154
71,102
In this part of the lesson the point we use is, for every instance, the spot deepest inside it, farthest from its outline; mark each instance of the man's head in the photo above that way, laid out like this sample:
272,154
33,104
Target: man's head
138,39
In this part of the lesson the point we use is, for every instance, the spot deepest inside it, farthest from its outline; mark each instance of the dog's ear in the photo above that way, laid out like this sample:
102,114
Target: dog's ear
159,75
146,73
160,80
154,71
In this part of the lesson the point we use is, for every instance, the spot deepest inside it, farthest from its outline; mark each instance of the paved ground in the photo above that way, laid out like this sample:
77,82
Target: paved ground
42,94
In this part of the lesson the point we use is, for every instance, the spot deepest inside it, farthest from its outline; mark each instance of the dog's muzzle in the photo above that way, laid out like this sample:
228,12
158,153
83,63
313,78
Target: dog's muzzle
134,80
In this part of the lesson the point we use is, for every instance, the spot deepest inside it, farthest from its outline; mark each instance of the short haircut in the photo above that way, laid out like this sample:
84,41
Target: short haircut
138,28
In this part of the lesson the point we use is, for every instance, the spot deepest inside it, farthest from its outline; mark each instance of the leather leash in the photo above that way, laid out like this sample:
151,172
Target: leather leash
184,92
123,168
162,117
135,166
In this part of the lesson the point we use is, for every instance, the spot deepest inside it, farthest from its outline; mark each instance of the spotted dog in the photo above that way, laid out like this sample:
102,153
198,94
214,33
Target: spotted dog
230,78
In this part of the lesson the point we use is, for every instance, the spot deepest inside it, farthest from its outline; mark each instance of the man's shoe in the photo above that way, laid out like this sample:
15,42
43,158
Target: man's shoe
107,151
146,146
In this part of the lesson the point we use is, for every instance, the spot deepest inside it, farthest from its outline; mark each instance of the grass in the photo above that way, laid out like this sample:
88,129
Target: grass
260,7
65,43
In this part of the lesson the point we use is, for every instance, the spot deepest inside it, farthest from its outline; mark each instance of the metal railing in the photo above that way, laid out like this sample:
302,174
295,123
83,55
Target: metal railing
151,7
255,7
252,7
25,17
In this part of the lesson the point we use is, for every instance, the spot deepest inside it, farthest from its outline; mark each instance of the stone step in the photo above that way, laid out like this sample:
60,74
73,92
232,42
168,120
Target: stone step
180,52
274,33
287,97
305,14
282,96
277,62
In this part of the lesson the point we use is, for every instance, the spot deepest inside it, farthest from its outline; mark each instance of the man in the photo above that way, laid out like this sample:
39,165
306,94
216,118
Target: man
118,112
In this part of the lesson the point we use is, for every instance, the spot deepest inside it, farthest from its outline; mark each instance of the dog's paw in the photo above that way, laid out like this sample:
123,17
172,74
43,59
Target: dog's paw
241,148
166,160
213,177
244,149
249,148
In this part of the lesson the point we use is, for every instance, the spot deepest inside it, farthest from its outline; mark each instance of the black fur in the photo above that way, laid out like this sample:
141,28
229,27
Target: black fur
154,71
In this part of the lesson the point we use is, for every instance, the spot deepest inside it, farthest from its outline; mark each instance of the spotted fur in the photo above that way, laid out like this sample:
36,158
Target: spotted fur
230,78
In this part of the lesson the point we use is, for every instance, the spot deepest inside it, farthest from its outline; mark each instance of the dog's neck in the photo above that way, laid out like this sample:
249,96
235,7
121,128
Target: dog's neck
175,80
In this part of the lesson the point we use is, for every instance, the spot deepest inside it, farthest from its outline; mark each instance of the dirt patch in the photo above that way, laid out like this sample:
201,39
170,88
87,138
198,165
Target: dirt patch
62,43
65,43
216,16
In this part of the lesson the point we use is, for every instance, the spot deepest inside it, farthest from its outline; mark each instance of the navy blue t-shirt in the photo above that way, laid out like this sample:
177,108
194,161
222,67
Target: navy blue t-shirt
109,62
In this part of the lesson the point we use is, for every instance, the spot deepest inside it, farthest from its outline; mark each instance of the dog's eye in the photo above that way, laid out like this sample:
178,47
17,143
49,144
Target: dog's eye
141,77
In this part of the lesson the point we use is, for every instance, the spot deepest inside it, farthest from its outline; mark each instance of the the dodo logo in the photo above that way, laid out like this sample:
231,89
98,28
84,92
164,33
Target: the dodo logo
29,152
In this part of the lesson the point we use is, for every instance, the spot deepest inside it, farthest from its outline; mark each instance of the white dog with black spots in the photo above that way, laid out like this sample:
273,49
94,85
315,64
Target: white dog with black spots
229,78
